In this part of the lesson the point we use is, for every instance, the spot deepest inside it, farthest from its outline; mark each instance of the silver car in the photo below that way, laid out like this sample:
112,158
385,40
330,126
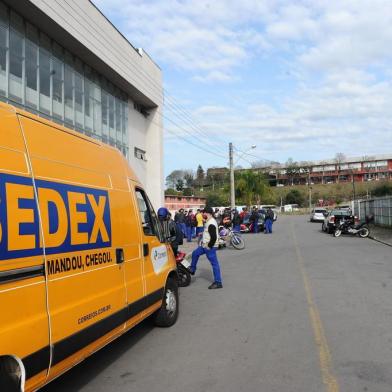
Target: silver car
318,214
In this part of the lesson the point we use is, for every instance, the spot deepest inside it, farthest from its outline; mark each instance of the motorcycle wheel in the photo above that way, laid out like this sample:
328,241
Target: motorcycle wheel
237,242
337,233
364,232
184,276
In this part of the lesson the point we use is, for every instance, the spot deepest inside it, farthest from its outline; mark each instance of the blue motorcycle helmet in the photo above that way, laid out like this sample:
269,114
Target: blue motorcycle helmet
163,212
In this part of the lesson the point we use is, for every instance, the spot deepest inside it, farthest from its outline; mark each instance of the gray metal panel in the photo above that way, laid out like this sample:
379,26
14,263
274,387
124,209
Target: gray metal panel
80,27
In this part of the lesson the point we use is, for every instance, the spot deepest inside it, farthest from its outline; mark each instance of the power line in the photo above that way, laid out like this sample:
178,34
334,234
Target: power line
195,145
200,146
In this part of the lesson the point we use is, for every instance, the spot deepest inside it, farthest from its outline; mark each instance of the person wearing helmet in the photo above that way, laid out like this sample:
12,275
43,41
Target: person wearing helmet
169,228
209,244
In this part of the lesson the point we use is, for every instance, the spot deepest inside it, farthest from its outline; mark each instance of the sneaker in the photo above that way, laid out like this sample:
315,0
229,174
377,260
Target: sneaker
191,271
215,285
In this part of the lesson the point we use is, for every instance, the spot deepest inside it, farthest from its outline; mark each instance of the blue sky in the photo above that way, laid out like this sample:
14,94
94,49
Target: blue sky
302,79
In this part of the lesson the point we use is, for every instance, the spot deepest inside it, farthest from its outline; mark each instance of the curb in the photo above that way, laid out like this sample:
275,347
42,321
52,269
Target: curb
380,241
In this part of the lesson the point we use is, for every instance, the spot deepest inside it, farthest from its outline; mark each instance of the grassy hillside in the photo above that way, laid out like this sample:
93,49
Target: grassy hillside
333,192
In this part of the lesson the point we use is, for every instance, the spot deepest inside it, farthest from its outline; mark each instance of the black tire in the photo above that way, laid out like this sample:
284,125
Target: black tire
184,276
167,315
237,242
364,232
337,233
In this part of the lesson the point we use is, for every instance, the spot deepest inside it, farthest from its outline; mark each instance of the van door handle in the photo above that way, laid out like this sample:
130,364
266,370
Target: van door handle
146,250
119,255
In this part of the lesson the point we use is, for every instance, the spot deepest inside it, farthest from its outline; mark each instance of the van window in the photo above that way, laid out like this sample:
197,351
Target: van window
148,217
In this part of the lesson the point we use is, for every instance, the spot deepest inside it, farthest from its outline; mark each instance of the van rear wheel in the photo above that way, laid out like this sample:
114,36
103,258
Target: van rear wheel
167,315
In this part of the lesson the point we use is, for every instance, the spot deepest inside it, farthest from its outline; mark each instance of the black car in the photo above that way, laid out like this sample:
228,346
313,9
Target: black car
333,217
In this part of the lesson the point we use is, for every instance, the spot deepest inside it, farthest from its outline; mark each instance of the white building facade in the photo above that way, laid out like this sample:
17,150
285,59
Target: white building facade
65,61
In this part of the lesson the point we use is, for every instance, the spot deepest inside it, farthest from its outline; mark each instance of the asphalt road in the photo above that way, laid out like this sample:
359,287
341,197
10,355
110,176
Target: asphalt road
300,311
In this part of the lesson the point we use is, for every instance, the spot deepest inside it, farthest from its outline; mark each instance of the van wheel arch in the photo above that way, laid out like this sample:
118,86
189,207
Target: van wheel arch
12,373
167,315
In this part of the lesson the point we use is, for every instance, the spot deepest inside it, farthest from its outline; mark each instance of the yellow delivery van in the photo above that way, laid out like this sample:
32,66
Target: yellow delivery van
82,254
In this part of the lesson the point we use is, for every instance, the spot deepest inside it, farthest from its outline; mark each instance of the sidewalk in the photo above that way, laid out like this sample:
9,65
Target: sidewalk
381,234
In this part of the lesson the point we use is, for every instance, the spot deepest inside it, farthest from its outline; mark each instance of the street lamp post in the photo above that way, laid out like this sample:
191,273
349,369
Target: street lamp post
231,165
232,190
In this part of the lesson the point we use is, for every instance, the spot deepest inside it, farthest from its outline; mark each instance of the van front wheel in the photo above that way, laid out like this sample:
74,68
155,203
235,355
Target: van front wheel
167,315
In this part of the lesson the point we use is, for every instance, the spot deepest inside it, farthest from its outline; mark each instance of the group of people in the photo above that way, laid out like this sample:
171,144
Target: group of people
251,219
190,224
204,226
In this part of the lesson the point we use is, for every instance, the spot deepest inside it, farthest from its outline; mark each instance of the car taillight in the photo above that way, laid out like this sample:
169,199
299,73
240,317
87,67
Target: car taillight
356,219
332,219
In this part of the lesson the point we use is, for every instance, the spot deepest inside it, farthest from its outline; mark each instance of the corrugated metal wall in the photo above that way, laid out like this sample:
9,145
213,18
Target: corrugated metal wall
380,208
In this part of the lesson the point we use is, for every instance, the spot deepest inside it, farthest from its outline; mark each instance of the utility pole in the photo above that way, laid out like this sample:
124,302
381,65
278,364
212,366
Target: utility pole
232,191
353,181
310,192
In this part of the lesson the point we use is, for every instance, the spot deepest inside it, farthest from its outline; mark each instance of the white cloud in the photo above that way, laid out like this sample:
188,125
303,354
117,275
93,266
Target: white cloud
213,76
208,37
337,52
352,116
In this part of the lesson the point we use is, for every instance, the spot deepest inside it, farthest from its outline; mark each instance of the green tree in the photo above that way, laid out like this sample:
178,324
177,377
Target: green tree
292,170
251,187
173,177
187,192
215,199
294,196
180,185
199,176
189,178
171,192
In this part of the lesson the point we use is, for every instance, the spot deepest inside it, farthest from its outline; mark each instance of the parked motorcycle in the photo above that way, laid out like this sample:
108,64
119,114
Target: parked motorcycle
348,226
183,271
227,235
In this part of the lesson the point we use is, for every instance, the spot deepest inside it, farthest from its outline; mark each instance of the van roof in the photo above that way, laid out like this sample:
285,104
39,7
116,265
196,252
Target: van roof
130,173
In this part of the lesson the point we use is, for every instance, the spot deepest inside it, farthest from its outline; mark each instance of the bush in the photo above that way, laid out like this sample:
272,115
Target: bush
171,192
215,199
294,196
382,190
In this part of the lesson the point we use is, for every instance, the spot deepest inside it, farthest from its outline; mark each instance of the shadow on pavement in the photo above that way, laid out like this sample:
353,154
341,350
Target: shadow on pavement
87,370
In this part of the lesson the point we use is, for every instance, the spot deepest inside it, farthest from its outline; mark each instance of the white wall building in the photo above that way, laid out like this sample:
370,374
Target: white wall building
65,61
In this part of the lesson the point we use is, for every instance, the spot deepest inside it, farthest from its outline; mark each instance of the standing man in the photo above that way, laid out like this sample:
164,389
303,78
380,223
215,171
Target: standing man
254,218
208,247
269,219
188,224
199,225
179,218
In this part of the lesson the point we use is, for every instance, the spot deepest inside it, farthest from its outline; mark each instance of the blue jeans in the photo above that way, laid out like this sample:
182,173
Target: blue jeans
189,233
183,229
237,228
256,226
211,256
268,226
